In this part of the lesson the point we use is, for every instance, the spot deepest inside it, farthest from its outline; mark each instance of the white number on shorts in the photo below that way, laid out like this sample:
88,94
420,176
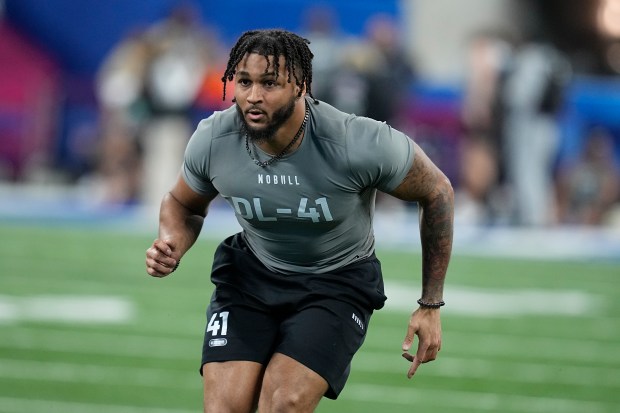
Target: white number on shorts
214,325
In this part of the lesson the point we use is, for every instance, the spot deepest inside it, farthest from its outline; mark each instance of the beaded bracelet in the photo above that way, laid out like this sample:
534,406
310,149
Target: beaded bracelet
176,266
430,305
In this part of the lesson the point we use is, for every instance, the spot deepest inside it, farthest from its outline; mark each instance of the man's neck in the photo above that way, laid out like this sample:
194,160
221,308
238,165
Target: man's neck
287,132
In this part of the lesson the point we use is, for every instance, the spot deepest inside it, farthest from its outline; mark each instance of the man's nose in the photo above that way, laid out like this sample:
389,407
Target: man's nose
255,94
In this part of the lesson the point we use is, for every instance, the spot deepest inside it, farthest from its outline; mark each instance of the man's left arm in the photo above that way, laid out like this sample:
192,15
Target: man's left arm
431,189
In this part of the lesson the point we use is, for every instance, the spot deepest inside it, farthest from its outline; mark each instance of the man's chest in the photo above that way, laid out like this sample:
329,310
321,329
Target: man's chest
291,196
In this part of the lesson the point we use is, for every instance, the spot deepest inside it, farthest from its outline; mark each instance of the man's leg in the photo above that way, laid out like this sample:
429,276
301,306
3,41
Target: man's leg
231,386
289,386
238,343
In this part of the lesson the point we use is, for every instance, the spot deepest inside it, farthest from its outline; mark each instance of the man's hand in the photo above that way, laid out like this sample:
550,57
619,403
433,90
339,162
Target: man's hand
160,258
426,324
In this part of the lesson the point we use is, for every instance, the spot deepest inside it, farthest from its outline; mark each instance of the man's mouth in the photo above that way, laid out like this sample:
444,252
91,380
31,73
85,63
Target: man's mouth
255,115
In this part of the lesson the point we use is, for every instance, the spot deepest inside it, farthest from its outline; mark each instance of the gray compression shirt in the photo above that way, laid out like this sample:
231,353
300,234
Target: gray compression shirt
312,210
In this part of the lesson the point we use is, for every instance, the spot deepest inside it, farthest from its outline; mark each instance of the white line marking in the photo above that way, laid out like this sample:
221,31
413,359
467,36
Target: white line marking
284,211
98,374
489,345
400,229
497,302
16,405
99,343
66,308
477,367
479,401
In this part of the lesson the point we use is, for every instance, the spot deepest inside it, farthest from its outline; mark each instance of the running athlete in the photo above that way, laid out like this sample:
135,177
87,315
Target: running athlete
295,289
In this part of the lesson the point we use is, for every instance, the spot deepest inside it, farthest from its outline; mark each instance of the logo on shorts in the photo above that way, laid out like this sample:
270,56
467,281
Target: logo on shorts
218,342
357,320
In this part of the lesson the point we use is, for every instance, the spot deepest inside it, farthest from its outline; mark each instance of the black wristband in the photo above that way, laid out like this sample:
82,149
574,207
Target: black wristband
424,304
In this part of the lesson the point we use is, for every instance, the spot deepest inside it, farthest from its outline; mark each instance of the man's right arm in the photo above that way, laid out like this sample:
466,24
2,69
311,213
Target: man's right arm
181,217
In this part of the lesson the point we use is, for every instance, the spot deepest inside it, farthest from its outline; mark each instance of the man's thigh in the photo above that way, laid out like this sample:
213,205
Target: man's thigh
238,328
231,386
239,339
324,337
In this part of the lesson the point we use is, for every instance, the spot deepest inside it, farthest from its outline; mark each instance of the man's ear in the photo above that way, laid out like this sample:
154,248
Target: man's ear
300,90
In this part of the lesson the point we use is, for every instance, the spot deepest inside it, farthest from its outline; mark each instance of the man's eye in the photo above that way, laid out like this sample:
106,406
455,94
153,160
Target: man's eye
270,83
243,82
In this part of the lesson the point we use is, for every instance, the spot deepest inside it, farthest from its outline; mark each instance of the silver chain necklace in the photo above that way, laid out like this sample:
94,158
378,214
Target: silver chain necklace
284,151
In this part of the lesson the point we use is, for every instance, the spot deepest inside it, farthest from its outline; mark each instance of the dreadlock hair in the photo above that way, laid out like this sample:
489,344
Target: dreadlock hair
276,43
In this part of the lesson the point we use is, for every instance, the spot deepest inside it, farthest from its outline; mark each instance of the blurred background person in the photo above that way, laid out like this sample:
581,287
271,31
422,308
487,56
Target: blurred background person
322,28
535,87
150,83
117,179
481,196
588,189
120,80
391,77
349,84
477,184
181,54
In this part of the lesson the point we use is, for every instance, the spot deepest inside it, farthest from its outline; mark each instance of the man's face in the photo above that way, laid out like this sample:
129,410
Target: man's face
264,102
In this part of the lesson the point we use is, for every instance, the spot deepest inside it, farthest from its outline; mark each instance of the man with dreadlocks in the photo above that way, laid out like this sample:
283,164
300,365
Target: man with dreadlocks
295,289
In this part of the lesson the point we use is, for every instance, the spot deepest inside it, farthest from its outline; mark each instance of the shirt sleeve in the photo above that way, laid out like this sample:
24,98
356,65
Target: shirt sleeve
195,170
379,156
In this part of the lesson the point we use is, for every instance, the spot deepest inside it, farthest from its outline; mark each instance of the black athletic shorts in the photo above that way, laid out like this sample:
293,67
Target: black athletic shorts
320,320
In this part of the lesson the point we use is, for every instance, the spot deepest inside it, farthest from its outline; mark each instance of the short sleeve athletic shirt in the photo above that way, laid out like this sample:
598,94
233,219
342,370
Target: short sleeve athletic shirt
312,210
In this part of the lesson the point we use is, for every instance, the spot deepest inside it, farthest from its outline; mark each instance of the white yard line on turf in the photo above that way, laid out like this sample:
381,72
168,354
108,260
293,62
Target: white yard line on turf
470,401
88,342
493,368
99,374
501,345
463,301
497,302
17,405
66,308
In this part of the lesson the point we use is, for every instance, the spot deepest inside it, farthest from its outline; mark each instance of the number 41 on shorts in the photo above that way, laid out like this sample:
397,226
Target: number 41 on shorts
214,324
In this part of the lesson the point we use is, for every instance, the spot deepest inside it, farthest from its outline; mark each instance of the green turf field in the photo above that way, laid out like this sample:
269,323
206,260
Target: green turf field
84,329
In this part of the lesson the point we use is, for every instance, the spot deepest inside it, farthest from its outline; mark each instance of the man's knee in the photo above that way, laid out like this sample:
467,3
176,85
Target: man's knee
290,387
287,400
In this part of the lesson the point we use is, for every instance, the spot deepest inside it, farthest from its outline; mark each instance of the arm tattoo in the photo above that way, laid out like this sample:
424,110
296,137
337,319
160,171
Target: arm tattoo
436,232
431,189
